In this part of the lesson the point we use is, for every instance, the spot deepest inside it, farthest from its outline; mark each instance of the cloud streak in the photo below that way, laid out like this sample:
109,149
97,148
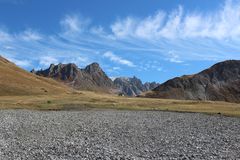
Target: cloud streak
175,37
74,24
29,35
224,23
21,63
114,58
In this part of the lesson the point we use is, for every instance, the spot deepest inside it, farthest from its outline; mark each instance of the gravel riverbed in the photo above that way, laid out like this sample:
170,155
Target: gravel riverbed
113,134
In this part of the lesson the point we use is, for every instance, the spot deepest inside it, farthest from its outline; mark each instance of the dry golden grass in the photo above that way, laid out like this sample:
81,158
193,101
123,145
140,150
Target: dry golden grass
16,81
84,100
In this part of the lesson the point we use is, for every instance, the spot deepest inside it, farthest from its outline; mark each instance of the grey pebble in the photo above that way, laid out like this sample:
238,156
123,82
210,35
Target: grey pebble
117,135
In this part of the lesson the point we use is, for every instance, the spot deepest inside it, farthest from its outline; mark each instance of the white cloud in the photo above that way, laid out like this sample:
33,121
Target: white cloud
123,28
113,78
8,47
172,26
174,57
191,35
150,25
74,23
221,24
79,61
114,58
45,61
4,36
30,35
20,63
116,68
97,30
27,35
112,70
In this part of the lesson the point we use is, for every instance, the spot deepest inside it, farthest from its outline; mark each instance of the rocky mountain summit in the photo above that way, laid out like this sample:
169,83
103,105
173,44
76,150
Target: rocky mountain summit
221,82
90,78
133,86
93,78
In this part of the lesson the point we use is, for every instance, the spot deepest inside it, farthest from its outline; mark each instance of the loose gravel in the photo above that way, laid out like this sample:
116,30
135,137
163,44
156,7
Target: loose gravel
112,134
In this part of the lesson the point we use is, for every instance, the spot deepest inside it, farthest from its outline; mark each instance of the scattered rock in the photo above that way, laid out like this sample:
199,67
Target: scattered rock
110,134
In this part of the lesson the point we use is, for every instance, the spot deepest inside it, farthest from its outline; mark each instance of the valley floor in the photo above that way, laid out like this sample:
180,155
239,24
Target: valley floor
115,134
88,100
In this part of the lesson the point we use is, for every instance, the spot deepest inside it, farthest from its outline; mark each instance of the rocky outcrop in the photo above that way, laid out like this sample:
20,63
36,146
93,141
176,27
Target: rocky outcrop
150,85
133,86
90,78
221,82
93,78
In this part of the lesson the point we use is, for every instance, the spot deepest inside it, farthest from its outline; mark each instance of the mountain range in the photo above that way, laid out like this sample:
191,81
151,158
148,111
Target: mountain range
133,86
221,82
93,78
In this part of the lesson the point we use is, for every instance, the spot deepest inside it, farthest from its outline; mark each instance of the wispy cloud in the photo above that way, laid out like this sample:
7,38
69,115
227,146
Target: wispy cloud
5,36
30,35
45,61
224,23
173,57
21,63
117,59
74,23
175,37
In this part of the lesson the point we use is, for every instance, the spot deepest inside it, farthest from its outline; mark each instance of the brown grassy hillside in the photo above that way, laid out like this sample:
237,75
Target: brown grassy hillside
221,82
16,81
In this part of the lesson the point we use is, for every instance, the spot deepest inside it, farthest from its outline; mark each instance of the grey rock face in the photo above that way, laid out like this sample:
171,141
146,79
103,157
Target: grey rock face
90,78
98,75
220,82
133,86
150,85
108,134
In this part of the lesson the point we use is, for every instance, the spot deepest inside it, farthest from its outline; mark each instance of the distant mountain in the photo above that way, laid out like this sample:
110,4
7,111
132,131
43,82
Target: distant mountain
221,82
91,78
133,86
150,86
15,81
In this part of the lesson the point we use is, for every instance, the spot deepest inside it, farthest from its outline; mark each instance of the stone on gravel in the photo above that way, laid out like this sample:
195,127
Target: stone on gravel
111,134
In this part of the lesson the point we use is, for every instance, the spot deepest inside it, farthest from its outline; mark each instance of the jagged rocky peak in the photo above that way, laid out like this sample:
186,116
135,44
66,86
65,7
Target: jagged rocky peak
91,77
60,71
131,86
98,75
133,79
94,67
60,66
150,85
122,79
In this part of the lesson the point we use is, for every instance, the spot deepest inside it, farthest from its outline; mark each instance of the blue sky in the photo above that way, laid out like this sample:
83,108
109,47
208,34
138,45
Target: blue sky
153,40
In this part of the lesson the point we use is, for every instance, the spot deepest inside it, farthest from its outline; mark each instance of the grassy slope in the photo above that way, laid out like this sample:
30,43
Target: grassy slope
16,81
83,100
